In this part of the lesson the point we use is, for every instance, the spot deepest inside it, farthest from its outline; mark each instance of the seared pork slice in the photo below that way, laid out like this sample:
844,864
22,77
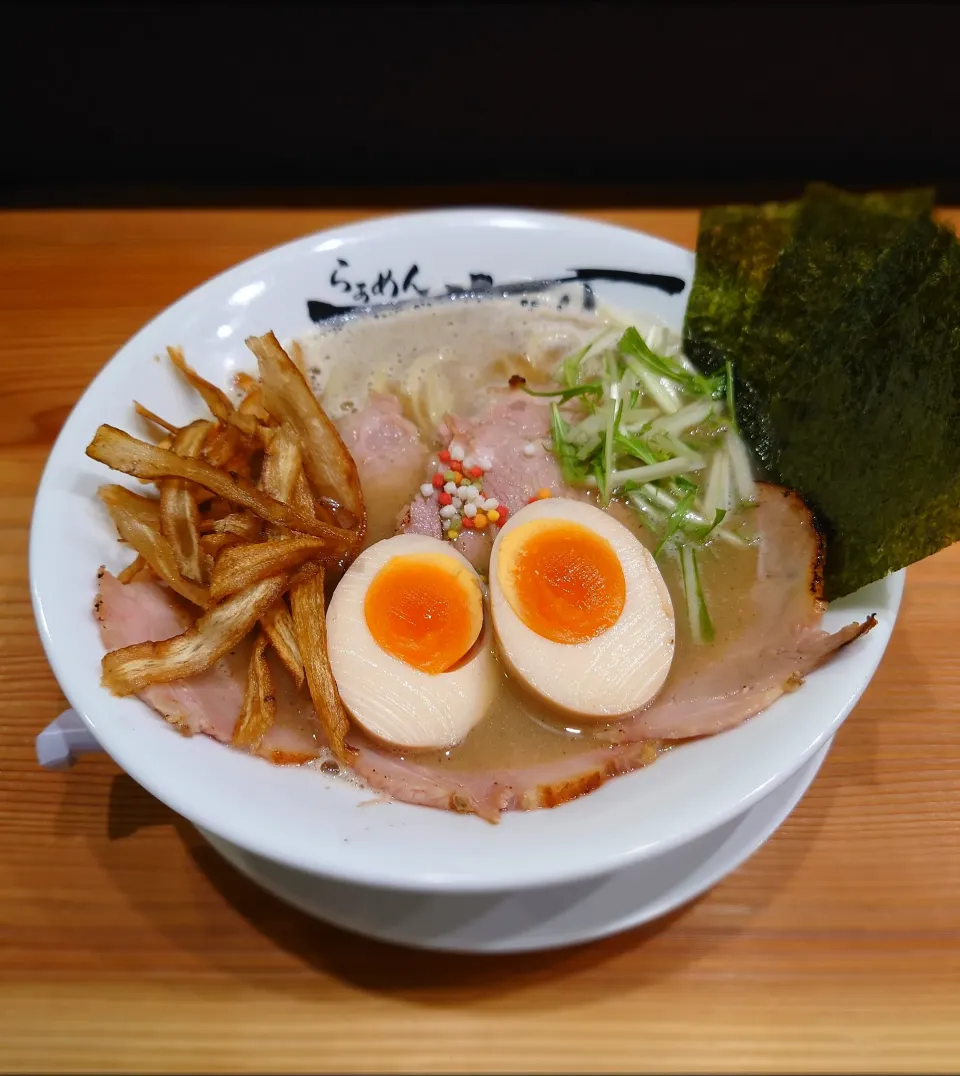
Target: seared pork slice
142,610
209,703
509,437
491,792
781,643
381,440
391,460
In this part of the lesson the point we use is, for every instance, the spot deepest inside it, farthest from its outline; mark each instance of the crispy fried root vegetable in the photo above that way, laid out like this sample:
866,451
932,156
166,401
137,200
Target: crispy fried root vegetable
124,453
132,570
259,701
244,525
310,624
281,466
145,412
214,507
126,510
213,543
282,476
277,622
235,547
288,397
146,509
230,449
302,500
241,565
298,358
252,404
132,668
179,515
210,546
219,402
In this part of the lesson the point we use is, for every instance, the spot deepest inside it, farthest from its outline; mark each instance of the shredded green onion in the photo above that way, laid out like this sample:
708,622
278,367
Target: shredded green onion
564,448
699,532
592,388
701,626
654,430
677,518
570,367
632,344
608,455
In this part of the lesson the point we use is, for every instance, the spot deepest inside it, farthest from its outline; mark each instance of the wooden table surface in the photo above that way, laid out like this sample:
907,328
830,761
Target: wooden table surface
127,944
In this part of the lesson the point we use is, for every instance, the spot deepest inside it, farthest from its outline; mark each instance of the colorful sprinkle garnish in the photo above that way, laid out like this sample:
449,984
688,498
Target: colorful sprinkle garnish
461,503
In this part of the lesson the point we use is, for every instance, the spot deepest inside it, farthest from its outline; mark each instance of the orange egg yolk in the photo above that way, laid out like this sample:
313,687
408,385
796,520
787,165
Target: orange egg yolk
425,609
562,580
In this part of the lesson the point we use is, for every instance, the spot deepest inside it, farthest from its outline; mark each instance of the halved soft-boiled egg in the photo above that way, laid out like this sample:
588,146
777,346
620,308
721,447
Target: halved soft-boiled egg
580,610
409,650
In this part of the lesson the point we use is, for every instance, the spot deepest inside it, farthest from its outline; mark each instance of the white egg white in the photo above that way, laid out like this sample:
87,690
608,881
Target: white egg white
619,670
391,700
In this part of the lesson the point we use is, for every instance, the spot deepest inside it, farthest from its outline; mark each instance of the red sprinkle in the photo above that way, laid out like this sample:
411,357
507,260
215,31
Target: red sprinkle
530,500
475,472
438,481
456,465
445,498
444,456
466,522
504,515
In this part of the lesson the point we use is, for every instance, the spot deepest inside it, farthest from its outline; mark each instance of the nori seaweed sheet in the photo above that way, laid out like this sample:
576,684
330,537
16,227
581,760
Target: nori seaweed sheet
829,275
739,246
848,378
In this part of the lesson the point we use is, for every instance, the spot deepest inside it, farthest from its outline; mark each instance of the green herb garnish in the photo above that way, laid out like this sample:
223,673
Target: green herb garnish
591,388
634,347
564,449
701,626
676,519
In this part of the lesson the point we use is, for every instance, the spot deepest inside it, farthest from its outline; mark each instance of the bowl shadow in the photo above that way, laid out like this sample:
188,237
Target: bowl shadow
659,950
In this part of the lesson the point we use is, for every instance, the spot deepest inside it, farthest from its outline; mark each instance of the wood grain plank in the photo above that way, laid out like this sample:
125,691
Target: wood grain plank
126,944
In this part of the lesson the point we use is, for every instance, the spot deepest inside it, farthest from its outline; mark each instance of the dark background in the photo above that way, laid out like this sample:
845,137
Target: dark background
543,103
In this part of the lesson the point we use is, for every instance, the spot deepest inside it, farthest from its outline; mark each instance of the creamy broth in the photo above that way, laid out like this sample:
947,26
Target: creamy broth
521,730
478,345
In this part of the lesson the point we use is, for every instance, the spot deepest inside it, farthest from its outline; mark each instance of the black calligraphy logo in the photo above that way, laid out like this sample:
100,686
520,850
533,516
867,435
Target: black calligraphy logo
390,287
336,281
408,282
384,282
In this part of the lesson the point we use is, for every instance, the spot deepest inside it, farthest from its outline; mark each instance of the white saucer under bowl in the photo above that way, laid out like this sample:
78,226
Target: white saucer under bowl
533,919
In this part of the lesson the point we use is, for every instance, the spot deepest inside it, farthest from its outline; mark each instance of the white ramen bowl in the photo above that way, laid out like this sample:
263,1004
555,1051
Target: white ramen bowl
301,817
